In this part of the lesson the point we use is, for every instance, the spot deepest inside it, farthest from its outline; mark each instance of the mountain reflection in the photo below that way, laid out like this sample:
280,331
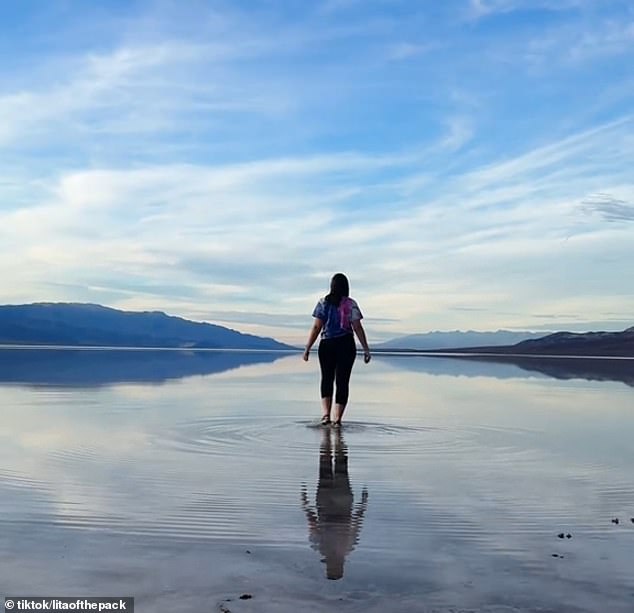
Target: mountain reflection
506,366
97,367
590,369
335,522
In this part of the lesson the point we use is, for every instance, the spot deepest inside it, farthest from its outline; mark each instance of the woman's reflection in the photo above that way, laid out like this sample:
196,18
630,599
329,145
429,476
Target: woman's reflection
334,527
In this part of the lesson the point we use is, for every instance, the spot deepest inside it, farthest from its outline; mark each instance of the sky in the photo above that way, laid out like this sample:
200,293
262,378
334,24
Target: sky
467,163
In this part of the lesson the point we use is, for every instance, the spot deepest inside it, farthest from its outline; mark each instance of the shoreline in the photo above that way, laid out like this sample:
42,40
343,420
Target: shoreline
377,352
457,354
132,348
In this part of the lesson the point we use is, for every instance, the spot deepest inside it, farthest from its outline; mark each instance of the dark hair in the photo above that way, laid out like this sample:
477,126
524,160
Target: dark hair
339,288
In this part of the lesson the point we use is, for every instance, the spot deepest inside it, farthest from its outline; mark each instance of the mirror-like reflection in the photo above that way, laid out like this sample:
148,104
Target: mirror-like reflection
335,522
516,366
82,367
186,494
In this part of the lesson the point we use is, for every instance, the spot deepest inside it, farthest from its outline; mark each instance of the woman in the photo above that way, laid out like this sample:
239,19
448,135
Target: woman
337,316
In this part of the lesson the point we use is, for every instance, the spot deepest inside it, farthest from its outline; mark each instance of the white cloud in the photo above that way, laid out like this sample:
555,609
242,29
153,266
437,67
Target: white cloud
230,238
483,8
460,132
609,38
214,174
407,50
139,90
575,45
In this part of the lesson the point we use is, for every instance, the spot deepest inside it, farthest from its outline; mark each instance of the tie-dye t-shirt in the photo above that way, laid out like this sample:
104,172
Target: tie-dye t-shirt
337,320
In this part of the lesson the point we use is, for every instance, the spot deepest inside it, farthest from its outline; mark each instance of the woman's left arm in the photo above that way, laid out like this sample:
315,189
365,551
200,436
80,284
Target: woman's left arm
360,332
318,324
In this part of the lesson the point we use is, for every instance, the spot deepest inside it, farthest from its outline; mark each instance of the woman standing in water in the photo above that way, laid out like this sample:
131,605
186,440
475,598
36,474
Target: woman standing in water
337,318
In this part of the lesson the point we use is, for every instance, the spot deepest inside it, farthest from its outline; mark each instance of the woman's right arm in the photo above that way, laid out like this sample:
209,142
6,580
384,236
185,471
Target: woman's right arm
318,324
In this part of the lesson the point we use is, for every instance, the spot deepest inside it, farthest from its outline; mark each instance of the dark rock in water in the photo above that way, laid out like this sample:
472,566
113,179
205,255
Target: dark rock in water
560,535
245,597
632,519
615,520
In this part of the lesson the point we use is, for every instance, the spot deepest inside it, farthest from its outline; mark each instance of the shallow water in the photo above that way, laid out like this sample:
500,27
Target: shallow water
188,479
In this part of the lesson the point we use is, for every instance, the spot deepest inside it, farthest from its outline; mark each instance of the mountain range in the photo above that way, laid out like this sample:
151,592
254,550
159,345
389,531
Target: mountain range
76,324
604,344
457,338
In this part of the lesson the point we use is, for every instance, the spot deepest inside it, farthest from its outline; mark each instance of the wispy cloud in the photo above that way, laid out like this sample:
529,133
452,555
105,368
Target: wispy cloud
460,132
575,45
610,38
609,207
483,8
405,50
230,164
183,231
132,90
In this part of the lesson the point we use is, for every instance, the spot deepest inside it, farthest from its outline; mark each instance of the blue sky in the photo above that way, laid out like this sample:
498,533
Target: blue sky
467,163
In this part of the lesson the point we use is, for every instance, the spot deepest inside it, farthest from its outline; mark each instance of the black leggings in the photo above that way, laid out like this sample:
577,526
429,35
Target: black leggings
336,357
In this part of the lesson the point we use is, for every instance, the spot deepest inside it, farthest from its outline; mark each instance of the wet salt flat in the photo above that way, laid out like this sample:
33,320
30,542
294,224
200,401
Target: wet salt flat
190,479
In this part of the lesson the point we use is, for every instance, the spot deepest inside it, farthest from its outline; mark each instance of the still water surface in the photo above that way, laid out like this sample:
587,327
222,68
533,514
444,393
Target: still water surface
190,479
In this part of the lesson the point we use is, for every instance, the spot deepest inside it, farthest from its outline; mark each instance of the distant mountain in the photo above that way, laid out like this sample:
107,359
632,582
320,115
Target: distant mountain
612,344
457,338
96,325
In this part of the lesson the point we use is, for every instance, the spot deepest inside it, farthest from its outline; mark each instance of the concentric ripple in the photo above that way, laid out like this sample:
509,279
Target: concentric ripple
251,436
